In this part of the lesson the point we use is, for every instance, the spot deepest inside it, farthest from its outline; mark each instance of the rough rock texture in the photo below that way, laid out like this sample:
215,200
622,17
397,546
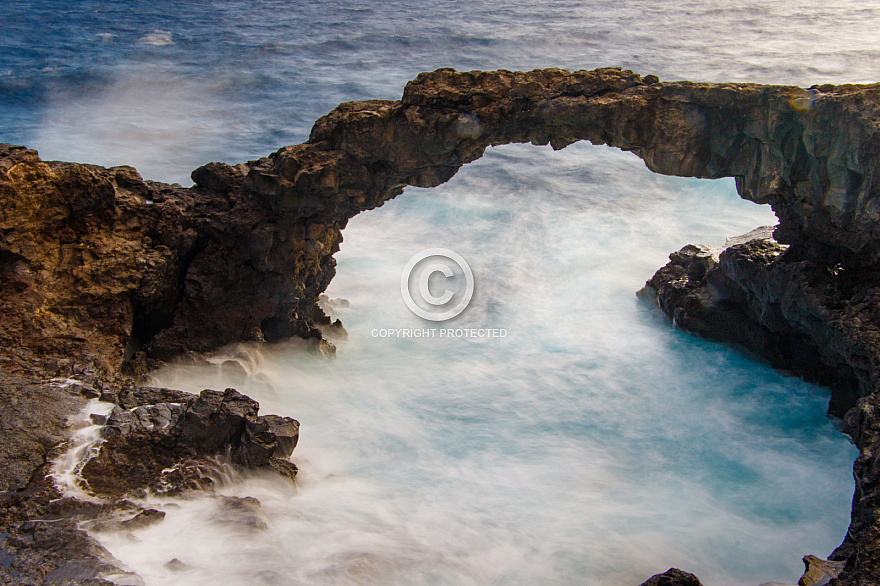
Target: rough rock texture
98,264
160,440
32,425
861,548
92,269
672,577
103,271
797,314
166,448
818,571
39,540
819,322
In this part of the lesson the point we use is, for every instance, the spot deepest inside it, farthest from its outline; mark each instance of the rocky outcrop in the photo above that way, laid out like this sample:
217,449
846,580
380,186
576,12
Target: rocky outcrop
40,538
101,264
155,440
100,267
818,571
796,314
672,577
104,272
169,447
818,322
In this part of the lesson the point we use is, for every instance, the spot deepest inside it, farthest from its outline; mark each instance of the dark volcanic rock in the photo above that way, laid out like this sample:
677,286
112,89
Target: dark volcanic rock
796,314
34,417
860,551
672,577
40,538
171,447
103,265
820,322
102,271
265,438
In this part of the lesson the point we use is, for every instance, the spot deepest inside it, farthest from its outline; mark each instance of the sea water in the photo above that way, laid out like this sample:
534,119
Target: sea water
592,443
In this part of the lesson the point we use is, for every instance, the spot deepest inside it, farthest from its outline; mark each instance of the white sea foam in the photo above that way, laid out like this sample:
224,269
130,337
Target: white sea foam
84,445
157,39
592,445
146,114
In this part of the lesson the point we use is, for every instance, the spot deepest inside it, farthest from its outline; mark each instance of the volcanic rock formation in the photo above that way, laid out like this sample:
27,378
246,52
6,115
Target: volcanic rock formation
104,273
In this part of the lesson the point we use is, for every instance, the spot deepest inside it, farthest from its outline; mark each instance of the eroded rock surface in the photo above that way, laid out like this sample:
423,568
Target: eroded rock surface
104,272
673,577
798,314
166,448
819,322
101,264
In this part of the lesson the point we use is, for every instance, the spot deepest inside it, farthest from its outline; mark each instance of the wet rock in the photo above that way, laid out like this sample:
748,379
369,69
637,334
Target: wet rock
268,437
98,419
41,542
141,462
233,371
169,448
283,467
144,519
33,419
216,420
788,311
175,565
129,397
819,572
122,422
242,512
103,271
672,577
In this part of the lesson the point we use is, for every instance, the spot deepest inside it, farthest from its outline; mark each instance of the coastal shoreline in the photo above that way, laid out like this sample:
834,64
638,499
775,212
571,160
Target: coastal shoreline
107,276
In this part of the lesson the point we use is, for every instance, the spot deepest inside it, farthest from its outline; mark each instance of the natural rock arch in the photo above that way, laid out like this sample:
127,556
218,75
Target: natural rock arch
102,269
813,155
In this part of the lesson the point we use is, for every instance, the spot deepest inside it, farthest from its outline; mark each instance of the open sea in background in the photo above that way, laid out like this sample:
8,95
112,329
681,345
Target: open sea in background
594,444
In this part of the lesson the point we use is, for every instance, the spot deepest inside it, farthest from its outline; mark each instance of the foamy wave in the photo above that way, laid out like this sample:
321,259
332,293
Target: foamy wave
157,39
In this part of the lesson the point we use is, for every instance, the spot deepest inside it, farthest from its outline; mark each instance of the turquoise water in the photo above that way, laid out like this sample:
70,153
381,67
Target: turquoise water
593,443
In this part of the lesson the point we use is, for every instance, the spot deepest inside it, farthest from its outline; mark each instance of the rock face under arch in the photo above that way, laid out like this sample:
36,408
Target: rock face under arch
103,271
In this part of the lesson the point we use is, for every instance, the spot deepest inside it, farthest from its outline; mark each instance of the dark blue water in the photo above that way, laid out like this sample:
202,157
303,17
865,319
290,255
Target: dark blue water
168,85
594,444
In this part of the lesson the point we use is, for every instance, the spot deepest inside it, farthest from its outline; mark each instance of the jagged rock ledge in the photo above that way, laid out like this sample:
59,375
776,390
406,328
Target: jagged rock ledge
817,321
104,273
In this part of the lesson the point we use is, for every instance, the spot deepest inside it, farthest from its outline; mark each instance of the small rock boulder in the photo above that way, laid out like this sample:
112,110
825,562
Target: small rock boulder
672,577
